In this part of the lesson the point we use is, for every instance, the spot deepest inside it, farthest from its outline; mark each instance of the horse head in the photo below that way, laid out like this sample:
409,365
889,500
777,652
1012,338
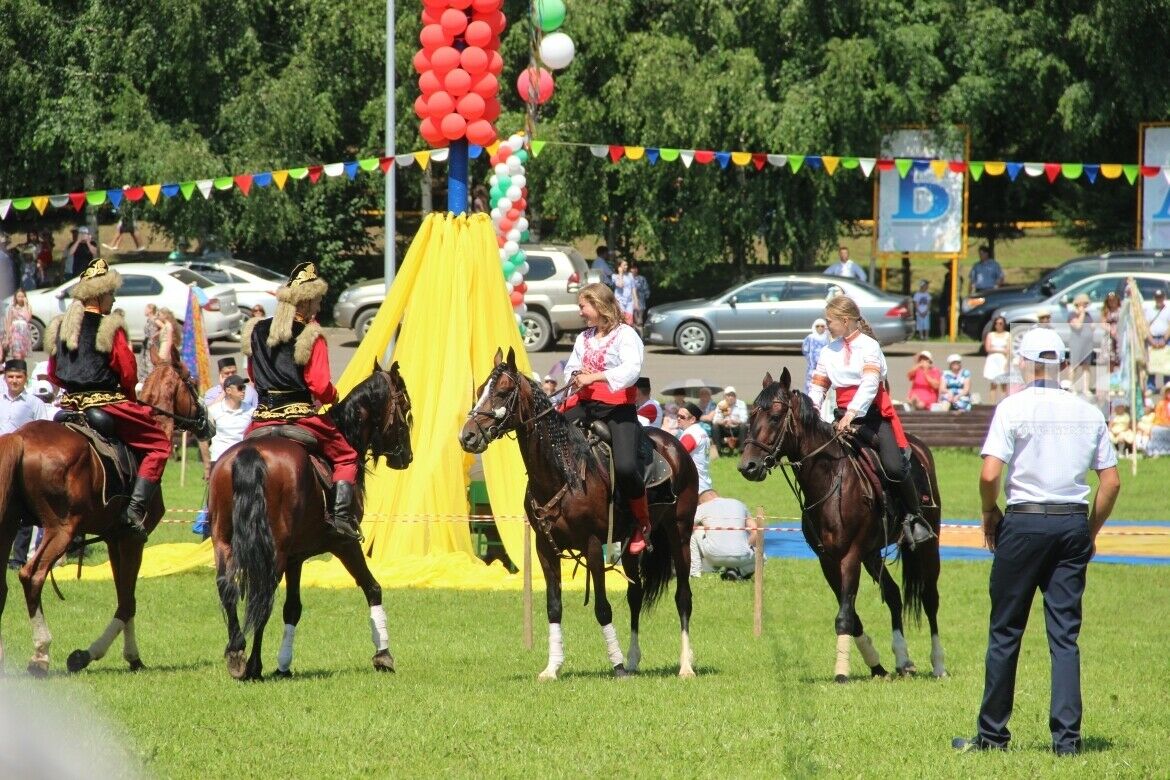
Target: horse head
173,397
772,428
502,399
376,417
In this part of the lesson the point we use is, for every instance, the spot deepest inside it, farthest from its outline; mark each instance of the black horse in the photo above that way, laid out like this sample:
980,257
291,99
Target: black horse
845,521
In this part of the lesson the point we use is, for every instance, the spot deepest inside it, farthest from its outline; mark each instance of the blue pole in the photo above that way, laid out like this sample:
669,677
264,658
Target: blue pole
457,176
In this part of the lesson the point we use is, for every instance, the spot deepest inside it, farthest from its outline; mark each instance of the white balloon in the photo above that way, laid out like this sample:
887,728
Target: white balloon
521,309
504,204
496,214
516,279
510,248
516,314
508,287
512,235
522,224
501,169
524,269
515,167
557,50
493,180
503,257
514,193
516,142
520,180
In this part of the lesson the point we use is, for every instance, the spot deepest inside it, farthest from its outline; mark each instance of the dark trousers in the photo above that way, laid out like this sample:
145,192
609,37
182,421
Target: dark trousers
20,546
1049,552
622,421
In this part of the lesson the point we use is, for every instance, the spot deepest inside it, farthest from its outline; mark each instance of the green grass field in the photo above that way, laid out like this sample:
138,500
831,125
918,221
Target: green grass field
466,702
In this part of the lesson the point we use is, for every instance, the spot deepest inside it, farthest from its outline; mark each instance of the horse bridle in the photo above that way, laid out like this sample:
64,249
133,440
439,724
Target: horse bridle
500,413
190,423
772,457
396,396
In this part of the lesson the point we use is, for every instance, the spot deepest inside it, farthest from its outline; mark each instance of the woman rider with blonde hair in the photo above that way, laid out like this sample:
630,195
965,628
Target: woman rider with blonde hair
854,365
604,367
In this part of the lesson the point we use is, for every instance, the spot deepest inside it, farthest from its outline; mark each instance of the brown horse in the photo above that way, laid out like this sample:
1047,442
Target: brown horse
50,473
267,514
568,503
844,523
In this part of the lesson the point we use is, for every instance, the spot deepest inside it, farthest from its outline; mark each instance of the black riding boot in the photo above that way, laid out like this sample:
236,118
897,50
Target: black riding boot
915,529
135,512
343,521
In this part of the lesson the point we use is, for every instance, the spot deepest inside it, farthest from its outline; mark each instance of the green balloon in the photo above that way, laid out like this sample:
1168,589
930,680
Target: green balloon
503,182
522,156
496,194
551,14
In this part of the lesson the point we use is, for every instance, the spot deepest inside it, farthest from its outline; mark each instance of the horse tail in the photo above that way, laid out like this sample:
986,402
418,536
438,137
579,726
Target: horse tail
11,455
914,579
657,567
253,548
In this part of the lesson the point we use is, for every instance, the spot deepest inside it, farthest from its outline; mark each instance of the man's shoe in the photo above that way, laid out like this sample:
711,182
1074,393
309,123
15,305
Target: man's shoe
1067,750
974,745
342,520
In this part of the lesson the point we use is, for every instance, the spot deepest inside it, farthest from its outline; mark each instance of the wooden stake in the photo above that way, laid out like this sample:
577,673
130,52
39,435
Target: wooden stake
758,579
527,586
183,461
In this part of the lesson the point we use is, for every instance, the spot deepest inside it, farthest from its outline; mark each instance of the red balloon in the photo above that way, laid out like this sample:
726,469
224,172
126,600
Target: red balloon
478,33
544,85
430,16
429,83
453,126
498,23
470,106
444,60
439,105
513,214
453,22
500,241
486,86
420,107
494,43
491,109
421,62
430,132
433,36
505,225
520,288
517,298
457,82
504,153
521,204
474,60
460,4
495,63
480,132
436,6
486,6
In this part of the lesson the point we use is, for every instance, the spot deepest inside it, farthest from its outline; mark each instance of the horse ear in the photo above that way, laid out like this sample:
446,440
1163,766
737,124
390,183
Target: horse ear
377,368
394,367
499,358
768,380
511,357
785,378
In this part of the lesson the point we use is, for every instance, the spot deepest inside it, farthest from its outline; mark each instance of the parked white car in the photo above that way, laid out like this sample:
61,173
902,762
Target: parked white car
255,285
162,284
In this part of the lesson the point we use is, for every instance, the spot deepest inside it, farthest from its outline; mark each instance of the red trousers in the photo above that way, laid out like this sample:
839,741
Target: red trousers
334,447
138,430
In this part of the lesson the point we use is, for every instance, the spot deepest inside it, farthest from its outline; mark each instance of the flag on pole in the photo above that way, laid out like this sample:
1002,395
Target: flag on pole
195,352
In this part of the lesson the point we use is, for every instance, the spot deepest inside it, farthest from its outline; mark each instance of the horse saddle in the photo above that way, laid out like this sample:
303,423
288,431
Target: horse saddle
875,478
321,467
119,465
655,469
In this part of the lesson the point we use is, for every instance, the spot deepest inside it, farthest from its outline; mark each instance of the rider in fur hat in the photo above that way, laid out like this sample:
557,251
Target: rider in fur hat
90,357
288,361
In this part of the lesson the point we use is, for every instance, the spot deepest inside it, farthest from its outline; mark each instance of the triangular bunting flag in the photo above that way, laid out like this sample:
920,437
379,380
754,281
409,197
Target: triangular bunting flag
938,168
615,152
222,182
315,173
244,182
795,161
1033,169
849,163
494,147
1051,171
635,152
384,163
779,160
741,158
95,197
1131,172
919,165
5,204
723,158
59,201
1091,172
152,191
115,197
667,154
21,204
813,162
171,190
538,147
1071,170
651,155
995,168
77,199
1110,170
957,166
134,194
596,151
475,150
830,163
704,156
41,202
440,155
351,170
1166,174
1150,171
298,173
280,177
423,158
759,159
903,165
884,164
187,188
262,179
368,164
333,170
403,161
867,165
976,169
1013,170
204,186
686,155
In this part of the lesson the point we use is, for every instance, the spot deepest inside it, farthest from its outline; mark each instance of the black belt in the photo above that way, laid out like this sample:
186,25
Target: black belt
1048,509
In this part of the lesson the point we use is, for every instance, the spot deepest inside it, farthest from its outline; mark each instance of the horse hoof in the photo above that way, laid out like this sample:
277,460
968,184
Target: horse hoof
940,675
283,674
78,660
547,675
841,679
38,669
686,674
879,671
909,670
383,661
135,664
236,663
619,671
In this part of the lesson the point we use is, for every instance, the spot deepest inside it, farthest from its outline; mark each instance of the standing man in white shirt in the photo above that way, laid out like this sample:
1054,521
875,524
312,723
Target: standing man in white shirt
1048,440
846,267
17,407
231,416
730,550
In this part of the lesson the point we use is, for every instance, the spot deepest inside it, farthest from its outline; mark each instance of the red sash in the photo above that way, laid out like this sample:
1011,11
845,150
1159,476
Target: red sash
885,408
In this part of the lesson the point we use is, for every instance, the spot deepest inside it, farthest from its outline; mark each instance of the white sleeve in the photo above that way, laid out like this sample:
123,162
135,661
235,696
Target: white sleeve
574,361
1106,455
817,391
629,353
1001,441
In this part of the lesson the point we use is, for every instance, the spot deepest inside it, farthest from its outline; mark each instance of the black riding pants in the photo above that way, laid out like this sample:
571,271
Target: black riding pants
890,454
622,421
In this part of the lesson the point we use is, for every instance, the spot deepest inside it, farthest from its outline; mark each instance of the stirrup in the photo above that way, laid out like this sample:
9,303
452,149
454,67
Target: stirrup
916,531
641,538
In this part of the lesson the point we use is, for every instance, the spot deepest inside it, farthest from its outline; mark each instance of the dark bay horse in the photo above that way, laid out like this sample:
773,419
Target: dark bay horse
843,523
568,505
49,472
267,514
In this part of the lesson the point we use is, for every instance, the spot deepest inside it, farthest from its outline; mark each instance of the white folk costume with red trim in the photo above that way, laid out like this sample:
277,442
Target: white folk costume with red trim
618,354
856,368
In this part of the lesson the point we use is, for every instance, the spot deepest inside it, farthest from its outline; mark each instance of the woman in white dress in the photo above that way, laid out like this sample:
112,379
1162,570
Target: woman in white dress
996,344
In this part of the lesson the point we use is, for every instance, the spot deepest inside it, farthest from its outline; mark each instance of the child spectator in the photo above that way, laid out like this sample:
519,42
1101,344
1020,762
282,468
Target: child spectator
922,310
957,384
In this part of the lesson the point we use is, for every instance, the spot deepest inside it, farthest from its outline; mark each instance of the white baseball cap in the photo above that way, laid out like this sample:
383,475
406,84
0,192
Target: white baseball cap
1042,345
954,357
729,389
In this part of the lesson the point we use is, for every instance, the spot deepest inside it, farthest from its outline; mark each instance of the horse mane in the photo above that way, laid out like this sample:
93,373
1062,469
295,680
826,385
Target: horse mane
355,418
807,414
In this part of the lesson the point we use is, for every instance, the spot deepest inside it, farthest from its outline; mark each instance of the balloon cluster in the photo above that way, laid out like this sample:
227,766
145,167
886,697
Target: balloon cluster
509,199
556,51
458,70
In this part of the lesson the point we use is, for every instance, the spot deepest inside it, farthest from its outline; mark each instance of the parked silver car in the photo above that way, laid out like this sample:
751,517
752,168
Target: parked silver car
772,311
1059,305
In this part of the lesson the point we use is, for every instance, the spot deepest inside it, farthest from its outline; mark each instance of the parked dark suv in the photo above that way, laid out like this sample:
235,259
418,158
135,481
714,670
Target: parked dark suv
975,318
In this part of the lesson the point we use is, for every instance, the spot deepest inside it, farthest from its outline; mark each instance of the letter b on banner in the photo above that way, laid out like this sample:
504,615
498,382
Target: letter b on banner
920,212
922,201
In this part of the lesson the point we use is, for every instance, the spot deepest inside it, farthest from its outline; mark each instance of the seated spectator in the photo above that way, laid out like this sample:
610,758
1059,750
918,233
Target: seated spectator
680,398
729,551
730,418
549,385
649,410
925,380
1159,443
956,384
670,419
707,406
694,440
1121,433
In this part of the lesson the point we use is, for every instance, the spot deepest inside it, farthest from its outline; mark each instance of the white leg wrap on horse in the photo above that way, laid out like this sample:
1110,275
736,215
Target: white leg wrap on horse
285,654
869,653
612,648
129,642
378,630
42,639
686,660
102,644
556,652
634,655
937,658
842,667
901,652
